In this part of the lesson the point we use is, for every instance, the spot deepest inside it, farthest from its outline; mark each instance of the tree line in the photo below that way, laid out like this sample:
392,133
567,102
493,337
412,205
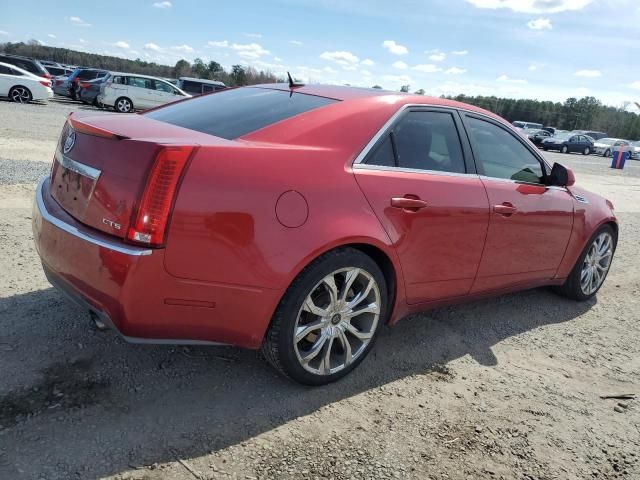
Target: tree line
238,75
587,113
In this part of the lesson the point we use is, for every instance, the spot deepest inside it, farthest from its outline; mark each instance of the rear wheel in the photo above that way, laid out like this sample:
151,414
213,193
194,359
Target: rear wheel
328,319
564,149
586,151
592,266
123,105
20,94
607,153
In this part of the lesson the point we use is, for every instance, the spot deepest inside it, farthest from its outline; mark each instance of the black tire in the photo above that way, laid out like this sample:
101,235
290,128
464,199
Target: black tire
606,153
545,149
586,151
571,288
20,94
121,103
278,345
564,149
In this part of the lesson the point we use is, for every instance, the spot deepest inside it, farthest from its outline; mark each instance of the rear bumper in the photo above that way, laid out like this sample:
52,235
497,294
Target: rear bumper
128,288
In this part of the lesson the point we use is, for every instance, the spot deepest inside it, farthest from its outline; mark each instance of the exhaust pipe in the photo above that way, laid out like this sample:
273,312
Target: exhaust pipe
99,324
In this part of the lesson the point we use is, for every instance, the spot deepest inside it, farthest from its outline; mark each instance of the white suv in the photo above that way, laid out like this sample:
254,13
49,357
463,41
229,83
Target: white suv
128,91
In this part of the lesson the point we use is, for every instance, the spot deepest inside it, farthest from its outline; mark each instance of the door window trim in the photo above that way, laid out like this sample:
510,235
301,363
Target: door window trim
387,128
546,169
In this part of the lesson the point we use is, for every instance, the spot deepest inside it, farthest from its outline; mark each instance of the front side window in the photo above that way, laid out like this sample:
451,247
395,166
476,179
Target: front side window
141,82
422,140
501,154
163,87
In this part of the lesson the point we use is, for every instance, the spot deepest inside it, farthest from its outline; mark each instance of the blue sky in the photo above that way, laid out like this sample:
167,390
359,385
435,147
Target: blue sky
544,49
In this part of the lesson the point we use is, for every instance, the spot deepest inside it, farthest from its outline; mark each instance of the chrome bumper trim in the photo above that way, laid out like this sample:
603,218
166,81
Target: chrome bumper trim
86,236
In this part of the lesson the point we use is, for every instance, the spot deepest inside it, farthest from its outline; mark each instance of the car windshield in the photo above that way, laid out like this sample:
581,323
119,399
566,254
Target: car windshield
563,136
607,141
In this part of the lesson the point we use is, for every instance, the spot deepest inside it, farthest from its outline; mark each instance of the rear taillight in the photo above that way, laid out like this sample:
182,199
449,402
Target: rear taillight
45,83
84,84
153,213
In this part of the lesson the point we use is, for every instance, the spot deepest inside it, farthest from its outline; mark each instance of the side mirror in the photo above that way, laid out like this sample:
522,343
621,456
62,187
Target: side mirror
561,176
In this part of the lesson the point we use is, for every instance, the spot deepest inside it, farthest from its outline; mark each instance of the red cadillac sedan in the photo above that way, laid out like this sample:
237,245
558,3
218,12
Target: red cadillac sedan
301,219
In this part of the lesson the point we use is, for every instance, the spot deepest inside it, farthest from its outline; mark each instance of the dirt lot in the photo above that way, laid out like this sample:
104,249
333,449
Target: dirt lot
505,388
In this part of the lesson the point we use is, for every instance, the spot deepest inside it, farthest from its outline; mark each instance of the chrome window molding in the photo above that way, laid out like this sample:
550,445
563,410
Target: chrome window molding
365,151
86,236
364,166
77,167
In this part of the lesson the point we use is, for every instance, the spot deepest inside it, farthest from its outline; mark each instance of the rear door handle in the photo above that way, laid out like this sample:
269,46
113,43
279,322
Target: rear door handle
505,209
408,203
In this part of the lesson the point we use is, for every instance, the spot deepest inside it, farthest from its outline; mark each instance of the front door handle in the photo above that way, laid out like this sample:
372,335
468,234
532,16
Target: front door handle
505,209
408,203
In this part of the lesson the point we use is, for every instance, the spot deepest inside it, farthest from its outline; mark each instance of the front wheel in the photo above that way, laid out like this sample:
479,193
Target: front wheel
20,94
592,266
123,105
564,149
606,153
328,319
586,151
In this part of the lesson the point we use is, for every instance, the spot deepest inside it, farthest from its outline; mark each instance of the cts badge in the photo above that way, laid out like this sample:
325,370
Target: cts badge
70,141
114,225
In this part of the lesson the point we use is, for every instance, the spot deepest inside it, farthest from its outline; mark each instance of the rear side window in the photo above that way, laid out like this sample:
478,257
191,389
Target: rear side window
422,140
233,113
5,70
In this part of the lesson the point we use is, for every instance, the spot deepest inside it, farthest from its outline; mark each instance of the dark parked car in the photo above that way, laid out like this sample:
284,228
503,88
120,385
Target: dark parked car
568,142
89,90
25,63
537,136
198,86
83,74
57,71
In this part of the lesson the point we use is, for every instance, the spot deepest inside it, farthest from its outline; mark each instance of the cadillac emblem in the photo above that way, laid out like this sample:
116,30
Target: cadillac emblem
70,141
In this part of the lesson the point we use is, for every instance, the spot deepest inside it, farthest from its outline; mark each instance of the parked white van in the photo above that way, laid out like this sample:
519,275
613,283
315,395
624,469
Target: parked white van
125,92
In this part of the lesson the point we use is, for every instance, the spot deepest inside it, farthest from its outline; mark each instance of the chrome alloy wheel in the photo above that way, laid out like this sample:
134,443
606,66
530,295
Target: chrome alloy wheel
20,95
596,263
337,321
123,105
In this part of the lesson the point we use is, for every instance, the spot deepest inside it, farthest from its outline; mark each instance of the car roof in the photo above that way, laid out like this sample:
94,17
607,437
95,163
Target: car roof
202,80
347,93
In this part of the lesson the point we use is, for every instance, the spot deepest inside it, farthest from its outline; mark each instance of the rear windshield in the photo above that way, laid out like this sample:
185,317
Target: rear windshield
233,113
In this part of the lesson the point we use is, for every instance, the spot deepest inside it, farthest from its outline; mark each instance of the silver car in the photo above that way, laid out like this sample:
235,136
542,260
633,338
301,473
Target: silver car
606,146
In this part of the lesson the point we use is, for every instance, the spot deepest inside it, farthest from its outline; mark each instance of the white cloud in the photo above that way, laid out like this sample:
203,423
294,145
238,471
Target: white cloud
532,6
82,40
460,52
437,57
162,5
222,44
540,24
635,85
152,46
582,92
346,59
397,80
250,50
400,65
330,70
51,35
455,71
296,42
182,48
428,68
588,73
365,73
253,35
4,32
367,62
395,48
78,22
277,59
507,79
121,44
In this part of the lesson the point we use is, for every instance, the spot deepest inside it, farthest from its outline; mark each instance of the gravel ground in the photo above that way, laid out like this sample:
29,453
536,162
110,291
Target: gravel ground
503,388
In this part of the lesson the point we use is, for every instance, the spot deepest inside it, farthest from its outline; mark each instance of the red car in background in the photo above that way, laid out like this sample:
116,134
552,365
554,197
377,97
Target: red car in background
300,219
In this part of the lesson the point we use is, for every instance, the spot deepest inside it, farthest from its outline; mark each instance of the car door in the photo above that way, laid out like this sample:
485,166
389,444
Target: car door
575,144
420,181
530,222
142,92
6,80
